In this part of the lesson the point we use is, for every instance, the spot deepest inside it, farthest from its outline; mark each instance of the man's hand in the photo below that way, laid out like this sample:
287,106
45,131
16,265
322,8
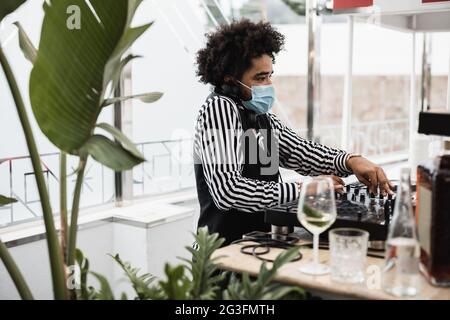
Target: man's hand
371,175
338,183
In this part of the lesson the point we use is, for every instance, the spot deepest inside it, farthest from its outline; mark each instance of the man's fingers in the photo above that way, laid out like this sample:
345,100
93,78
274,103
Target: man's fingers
339,188
339,180
384,188
391,185
364,180
335,179
384,183
373,182
338,184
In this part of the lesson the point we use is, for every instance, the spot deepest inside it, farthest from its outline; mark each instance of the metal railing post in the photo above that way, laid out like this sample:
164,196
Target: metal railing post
123,120
313,21
348,89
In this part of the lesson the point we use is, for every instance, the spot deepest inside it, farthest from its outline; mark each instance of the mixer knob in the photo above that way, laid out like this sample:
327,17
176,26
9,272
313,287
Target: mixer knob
387,212
347,187
356,191
362,198
372,199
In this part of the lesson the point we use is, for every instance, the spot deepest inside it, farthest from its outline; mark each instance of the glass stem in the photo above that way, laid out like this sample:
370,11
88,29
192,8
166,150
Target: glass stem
316,249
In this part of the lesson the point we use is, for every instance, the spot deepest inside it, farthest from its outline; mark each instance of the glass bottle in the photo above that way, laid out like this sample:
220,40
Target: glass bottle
401,275
433,216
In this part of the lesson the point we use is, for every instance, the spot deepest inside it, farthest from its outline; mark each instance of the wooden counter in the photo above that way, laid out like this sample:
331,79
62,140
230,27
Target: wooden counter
234,260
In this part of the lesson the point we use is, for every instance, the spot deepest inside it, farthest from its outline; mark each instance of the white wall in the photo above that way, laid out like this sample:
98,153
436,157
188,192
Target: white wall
32,259
151,249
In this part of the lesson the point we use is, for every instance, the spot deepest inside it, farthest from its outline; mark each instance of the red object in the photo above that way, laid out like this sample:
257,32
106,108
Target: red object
350,4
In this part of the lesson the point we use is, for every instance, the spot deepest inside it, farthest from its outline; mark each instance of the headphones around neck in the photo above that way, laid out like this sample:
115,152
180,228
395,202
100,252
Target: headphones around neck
231,90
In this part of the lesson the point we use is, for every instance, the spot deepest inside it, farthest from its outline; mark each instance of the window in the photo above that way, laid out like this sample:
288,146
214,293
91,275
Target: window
440,53
381,90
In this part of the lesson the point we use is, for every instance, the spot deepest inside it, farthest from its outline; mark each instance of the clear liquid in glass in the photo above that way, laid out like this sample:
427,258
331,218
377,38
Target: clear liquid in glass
401,275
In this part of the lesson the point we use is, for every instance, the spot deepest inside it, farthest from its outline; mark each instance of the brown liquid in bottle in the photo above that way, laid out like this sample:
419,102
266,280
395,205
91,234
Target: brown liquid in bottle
433,218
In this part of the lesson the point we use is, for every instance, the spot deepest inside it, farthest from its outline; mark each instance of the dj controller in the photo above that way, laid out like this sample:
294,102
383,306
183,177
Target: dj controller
356,208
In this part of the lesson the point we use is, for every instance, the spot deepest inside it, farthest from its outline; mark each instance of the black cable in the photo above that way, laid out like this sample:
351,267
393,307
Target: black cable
265,244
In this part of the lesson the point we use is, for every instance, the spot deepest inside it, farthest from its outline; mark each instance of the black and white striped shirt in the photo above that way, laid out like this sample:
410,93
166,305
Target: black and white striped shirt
228,188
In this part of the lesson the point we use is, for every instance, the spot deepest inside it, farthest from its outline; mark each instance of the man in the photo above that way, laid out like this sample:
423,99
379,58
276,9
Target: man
234,187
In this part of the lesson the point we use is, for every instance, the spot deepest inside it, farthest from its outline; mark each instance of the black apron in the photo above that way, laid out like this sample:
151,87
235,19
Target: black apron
232,224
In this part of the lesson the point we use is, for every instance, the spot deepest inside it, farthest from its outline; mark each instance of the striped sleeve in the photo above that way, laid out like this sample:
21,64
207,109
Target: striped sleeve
306,157
217,145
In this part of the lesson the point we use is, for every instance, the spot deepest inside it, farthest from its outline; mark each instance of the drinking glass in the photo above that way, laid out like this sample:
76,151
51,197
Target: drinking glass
316,213
348,254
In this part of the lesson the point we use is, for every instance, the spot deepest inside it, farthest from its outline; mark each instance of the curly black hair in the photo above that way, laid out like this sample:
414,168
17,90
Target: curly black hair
230,50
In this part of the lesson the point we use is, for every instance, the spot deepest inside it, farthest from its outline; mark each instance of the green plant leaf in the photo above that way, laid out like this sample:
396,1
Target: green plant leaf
105,292
115,77
83,263
262,287
27,47
176,287
132,7
128,38
5,200
71,72
126,143
141,283
145,97
9,6
298,6
204,286
279,292
110,154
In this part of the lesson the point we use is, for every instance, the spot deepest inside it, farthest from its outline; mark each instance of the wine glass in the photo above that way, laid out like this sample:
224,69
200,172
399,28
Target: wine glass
316,213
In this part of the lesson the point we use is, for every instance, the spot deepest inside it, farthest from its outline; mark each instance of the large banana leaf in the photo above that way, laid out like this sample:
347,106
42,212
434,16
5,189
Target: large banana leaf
5,200
8,6
73,70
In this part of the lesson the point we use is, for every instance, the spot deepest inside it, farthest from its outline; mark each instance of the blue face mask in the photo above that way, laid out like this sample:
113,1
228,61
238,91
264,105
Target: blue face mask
262,100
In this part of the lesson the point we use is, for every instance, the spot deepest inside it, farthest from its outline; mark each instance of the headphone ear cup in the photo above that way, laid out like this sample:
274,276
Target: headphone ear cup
235,90
231,90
